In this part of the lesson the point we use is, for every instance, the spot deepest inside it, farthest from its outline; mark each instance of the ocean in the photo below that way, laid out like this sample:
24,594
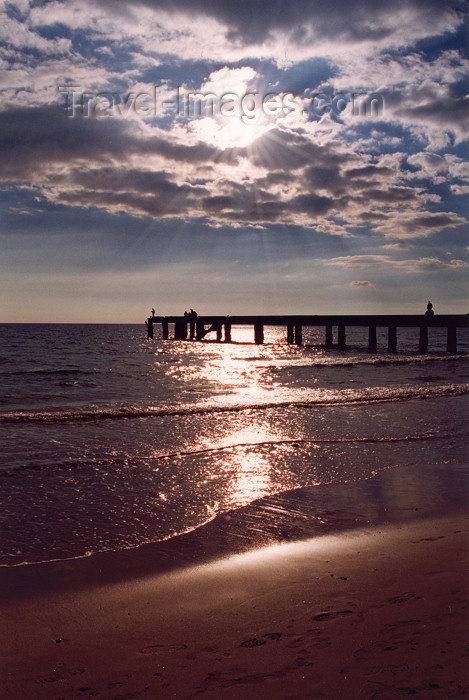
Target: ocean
109,440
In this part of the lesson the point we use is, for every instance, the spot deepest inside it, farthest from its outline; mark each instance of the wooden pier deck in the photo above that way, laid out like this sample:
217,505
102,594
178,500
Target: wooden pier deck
192,327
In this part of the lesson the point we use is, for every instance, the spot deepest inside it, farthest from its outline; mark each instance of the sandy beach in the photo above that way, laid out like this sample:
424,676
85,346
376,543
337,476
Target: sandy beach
379,612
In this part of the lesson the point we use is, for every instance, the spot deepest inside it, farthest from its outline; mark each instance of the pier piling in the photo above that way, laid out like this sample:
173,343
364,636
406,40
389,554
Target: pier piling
227,332
199,330
298,334
290,333
392,339
372,342
258,333
341,339
180,330
423,339
451,340
328,340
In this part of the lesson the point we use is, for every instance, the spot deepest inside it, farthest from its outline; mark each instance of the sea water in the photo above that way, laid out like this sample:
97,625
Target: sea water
109,440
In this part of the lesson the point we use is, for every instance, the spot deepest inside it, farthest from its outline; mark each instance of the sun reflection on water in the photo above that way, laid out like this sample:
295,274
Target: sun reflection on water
250,469
251,476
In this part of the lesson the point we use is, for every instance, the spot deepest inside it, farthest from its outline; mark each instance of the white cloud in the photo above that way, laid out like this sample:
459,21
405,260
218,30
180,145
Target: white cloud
424,264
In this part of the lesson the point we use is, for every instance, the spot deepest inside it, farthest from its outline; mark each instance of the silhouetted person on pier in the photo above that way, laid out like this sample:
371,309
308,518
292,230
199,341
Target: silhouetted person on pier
153,313
193,314
429,311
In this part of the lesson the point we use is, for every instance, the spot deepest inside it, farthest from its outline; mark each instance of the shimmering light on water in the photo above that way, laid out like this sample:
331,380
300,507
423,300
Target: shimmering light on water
119,441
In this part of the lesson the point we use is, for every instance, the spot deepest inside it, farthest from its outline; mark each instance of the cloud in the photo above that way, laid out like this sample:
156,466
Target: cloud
361,283
360,260
374,200
432,264
33,138
250,22
438,111
325,175
446,168
282,176
228,79
399,245
427,264
283,31
15,33
417,225
459,189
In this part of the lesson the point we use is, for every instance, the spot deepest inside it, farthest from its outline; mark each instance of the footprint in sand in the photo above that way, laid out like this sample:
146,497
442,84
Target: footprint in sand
49,679
253,643
402,623
404,598
160,648
322,617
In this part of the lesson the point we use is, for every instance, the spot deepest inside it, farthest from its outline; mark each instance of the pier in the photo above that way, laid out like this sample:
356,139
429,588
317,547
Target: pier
193,327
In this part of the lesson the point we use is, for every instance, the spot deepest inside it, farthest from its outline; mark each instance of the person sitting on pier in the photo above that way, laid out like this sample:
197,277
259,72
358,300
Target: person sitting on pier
193,314
429,311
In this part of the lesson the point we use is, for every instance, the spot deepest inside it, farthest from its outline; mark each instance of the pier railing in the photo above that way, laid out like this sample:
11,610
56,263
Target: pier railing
193,327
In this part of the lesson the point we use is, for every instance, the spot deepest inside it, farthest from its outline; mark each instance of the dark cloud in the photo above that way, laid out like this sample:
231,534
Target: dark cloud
313,205
372,216
392,195
155,206
261,212
441,110
372,171
218,203
283,150
325,177
252,21
437,221
140,192
131,180
89,162
33,138
361,283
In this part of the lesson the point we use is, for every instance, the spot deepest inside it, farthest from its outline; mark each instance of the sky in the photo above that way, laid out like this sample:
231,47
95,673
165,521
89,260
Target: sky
232,156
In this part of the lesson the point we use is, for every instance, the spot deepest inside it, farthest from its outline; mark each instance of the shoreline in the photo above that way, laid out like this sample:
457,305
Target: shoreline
375,613
393,495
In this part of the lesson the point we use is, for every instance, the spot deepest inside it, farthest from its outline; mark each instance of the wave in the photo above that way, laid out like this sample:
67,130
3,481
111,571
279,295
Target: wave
295,442
376,395
112,462
377,361
48,372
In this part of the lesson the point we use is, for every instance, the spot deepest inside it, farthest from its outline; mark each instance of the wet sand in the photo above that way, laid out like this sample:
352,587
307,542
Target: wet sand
379,612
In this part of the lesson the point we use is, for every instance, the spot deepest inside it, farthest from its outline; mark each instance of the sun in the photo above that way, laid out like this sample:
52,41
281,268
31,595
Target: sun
238,133
229,132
